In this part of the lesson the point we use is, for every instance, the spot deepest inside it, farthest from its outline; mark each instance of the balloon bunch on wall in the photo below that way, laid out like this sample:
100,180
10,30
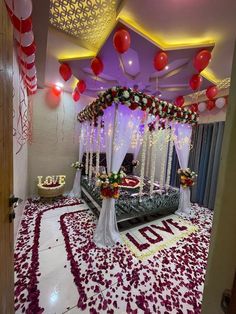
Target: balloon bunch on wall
200,62
20,15
211,104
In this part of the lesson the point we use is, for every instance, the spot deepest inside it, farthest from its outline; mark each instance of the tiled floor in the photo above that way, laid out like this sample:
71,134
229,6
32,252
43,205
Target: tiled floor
58,293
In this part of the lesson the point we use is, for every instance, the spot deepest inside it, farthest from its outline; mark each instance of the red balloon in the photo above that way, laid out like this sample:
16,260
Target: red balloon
26,65
121,40
160,61
179,101
56,90
194,107
65,71
22,26
81,85
211,92
202,60
29,50
195,81
76,95
97,66
210,104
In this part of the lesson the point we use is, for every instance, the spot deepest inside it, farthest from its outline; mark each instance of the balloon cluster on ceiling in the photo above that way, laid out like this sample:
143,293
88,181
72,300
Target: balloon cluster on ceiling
20,15
121,42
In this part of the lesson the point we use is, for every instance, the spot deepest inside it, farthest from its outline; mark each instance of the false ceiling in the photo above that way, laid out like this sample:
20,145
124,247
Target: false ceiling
134,68
79,30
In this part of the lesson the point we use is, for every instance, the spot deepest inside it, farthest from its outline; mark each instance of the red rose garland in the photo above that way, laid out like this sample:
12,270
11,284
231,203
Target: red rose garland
135,99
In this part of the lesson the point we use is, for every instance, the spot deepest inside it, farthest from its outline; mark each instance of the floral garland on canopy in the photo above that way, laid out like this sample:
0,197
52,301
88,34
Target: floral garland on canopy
135,99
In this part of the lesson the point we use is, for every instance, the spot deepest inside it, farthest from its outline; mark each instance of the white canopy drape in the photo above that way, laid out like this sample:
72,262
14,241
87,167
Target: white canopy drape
182,140
120,124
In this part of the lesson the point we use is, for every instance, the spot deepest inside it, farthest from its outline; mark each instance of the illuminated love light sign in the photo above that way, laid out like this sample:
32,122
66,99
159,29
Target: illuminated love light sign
52,180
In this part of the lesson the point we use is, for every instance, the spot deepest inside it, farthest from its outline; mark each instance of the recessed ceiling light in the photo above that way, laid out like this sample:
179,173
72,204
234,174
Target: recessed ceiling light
130,62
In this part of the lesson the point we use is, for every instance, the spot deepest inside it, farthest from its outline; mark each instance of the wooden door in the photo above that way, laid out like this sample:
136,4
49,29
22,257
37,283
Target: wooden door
222,255
6,165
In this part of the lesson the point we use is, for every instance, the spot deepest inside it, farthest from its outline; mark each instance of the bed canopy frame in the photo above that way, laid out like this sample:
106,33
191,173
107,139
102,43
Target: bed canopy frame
125,119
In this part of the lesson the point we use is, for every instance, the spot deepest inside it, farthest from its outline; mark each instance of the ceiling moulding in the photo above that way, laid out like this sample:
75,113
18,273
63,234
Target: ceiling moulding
88,21
223,87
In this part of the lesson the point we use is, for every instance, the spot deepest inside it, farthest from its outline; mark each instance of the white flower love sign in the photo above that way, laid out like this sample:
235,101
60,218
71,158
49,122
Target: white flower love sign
51,180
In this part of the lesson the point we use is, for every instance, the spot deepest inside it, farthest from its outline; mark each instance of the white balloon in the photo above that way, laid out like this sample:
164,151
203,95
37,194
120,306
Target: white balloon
30,73
20,8
24,57
220,102
202,106
31,83
24,39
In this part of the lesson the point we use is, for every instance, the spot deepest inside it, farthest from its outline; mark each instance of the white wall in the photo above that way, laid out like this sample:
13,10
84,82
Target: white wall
55,143
20,145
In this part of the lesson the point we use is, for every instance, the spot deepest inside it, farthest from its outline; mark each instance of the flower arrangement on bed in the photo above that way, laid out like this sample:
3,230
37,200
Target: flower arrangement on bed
109,183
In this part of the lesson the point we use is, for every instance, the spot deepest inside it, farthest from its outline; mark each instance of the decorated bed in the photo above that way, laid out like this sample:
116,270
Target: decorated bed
123,120
128,205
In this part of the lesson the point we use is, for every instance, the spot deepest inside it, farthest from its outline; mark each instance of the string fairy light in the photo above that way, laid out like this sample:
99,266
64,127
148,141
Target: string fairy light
170,157
98,145
163,159
91,152
87,150
143,157
156,137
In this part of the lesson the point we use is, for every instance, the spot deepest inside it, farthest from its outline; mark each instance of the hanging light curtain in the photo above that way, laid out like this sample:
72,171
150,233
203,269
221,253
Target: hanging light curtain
120,123
76,190
182,140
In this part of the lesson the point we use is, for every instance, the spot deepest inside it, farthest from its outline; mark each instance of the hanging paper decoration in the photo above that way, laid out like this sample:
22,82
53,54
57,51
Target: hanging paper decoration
76,95
211,92
121,40
179,101
210,105
65,71
97,66
160,61
195,82
202,60
220,102
81,86
22,9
